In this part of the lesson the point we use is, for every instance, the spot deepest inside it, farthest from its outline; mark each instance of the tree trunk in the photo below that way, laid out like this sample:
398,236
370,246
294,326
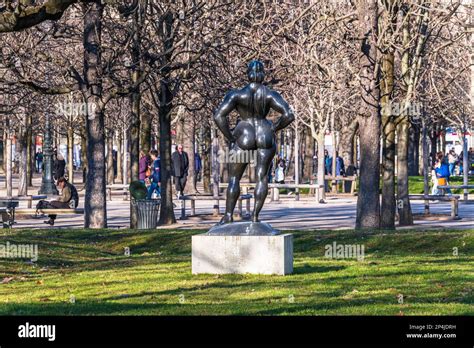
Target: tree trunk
95,214
465,158
8,160
346,143
135,100
413,151
403,203
126,156
110,158
31,145
145,132
206,161
188,144
166,211
426,166
23,154
4,137
368,200
433,140
84,154
307,169
70,153
388,207
119,158
320,140
164,111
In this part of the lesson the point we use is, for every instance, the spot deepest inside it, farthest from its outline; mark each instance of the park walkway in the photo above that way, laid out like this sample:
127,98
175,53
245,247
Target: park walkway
286,214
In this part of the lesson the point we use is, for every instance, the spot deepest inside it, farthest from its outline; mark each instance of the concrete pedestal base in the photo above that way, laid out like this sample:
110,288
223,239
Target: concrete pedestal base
216,254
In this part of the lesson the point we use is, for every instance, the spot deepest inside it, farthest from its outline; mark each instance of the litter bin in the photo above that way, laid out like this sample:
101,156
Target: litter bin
147,213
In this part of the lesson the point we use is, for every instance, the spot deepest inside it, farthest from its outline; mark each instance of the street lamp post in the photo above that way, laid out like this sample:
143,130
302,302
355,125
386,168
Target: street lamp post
47,183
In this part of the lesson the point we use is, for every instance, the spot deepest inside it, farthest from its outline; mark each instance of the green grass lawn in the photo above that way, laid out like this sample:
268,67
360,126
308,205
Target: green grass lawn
86,273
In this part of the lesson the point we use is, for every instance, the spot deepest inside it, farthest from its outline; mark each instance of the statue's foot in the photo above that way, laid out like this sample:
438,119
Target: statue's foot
255,218
226,219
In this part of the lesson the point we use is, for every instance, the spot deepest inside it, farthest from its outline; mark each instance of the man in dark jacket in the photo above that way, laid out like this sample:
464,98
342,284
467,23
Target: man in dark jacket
180,166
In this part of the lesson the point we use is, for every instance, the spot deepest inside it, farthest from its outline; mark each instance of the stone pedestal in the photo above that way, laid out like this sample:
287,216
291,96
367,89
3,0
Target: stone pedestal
255,254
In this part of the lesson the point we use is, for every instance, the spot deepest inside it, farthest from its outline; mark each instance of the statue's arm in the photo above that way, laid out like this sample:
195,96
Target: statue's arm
281,106
220,116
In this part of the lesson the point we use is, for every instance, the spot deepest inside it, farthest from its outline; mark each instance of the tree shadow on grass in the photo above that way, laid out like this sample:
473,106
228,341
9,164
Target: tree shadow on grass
307,269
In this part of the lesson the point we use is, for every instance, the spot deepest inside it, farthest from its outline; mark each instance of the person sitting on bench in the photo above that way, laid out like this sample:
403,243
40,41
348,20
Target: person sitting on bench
69,199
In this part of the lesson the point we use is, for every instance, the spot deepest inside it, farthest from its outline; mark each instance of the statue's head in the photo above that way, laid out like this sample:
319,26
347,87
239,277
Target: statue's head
255,71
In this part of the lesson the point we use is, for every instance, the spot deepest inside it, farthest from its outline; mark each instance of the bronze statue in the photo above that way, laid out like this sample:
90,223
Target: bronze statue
253,133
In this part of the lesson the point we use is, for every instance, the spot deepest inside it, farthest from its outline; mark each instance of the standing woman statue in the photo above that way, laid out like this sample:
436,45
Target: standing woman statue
253,133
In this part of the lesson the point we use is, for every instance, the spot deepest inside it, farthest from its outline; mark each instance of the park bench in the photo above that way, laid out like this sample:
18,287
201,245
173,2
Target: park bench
29,199
58,211
117,189
276,190
194,198
275,193
9,207
336,179
453,199
12,212
458,187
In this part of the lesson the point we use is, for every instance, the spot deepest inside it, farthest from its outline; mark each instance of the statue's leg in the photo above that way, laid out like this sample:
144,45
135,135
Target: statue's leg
264,159
236,170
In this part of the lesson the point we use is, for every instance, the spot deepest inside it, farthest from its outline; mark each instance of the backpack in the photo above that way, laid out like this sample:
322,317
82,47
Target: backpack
74,201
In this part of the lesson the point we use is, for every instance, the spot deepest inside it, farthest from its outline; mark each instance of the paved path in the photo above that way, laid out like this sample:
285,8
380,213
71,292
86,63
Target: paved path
338,213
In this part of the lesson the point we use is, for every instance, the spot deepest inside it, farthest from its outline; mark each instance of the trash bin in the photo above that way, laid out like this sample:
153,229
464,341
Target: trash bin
147,212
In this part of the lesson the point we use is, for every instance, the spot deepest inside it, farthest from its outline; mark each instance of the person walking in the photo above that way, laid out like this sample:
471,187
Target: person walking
280,172
327,169
327,163
69,199
144,163
470,160
197,167
155,175
39,161
179,167
59,166
442,172
452,160
340,169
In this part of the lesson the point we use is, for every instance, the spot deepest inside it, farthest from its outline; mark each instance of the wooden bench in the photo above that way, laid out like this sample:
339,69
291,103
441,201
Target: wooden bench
10,213
194,198
61,211
453,199
335,179
458,187
275,193
276,190
29,199
117,189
